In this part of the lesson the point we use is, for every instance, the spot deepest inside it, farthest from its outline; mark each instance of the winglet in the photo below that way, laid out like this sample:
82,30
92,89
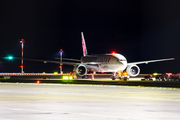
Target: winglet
83,45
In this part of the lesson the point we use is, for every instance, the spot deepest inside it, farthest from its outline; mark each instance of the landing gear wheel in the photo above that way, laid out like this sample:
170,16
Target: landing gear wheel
113,77
85,77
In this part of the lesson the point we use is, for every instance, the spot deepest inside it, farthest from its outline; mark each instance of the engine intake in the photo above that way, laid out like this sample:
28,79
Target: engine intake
81,70
133,70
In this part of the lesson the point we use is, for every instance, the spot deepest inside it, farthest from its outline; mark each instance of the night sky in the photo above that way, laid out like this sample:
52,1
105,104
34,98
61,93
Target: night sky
138,29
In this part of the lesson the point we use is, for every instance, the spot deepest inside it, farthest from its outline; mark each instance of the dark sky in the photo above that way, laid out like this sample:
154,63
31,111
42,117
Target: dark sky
138,29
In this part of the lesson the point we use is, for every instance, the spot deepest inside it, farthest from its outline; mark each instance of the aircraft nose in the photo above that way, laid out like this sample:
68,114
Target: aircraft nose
123,62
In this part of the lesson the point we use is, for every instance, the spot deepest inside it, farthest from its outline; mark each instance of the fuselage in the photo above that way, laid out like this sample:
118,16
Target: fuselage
105,62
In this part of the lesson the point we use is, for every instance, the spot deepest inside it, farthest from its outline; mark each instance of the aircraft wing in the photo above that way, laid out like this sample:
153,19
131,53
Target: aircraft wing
146,62
70,59
57,62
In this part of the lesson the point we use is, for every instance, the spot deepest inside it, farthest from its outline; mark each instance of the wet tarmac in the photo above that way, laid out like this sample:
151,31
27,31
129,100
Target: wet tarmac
87,102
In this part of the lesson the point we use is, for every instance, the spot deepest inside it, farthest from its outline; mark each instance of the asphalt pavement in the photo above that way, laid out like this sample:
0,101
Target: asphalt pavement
30,101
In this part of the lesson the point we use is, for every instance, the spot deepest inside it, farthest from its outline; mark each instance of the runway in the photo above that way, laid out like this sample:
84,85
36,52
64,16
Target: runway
87,102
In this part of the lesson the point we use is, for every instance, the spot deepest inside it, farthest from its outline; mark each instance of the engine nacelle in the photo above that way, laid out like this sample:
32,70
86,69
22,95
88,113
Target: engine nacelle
81,70
132,70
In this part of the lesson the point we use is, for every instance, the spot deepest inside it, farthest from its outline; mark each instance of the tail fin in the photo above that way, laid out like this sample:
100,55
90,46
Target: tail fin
84,45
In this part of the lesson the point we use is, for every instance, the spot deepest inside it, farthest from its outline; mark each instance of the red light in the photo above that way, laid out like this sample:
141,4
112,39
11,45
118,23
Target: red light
22,39
102,72
21,66
38,82
61,50
113,53
60,66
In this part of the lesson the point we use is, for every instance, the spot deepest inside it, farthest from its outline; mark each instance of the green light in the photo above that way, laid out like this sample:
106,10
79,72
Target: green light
65,77
55,73
9,57
155,74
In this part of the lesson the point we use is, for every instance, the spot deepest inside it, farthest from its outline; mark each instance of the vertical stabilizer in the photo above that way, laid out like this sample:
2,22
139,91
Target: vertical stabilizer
83,45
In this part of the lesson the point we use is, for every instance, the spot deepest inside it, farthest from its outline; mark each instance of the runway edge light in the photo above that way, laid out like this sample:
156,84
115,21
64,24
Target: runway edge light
155,74
65,77
55,73
70,77
38,82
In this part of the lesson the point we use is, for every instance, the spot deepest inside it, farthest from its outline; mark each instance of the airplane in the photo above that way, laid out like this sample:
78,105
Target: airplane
114,62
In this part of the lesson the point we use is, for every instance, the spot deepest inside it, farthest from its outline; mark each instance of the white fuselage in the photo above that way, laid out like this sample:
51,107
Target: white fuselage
105,62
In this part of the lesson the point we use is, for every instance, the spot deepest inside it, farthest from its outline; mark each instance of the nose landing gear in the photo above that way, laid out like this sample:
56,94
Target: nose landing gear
120,76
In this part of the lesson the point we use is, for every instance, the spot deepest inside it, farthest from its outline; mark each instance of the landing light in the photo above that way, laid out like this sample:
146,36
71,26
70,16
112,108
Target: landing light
125,73
119,73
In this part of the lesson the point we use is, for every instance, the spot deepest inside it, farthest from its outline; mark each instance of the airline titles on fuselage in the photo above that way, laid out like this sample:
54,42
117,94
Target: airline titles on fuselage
104,60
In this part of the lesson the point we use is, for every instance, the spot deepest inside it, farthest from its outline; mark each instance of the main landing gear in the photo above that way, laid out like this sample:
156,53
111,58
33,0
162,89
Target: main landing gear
85,77
113,77
122,76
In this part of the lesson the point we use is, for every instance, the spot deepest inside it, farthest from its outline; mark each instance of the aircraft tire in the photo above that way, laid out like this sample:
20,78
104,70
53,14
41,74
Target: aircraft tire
113,77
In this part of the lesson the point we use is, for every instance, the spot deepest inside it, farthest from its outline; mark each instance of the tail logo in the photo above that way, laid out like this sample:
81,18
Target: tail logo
83,45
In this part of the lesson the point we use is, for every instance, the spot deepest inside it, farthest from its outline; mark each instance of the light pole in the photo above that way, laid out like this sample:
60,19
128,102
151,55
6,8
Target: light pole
61,72
22,42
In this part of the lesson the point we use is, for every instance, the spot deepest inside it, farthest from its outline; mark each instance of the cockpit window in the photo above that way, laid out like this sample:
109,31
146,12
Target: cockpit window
122,59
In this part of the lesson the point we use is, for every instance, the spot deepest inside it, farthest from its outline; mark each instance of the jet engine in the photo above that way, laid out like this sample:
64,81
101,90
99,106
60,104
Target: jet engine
132,70
81,70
